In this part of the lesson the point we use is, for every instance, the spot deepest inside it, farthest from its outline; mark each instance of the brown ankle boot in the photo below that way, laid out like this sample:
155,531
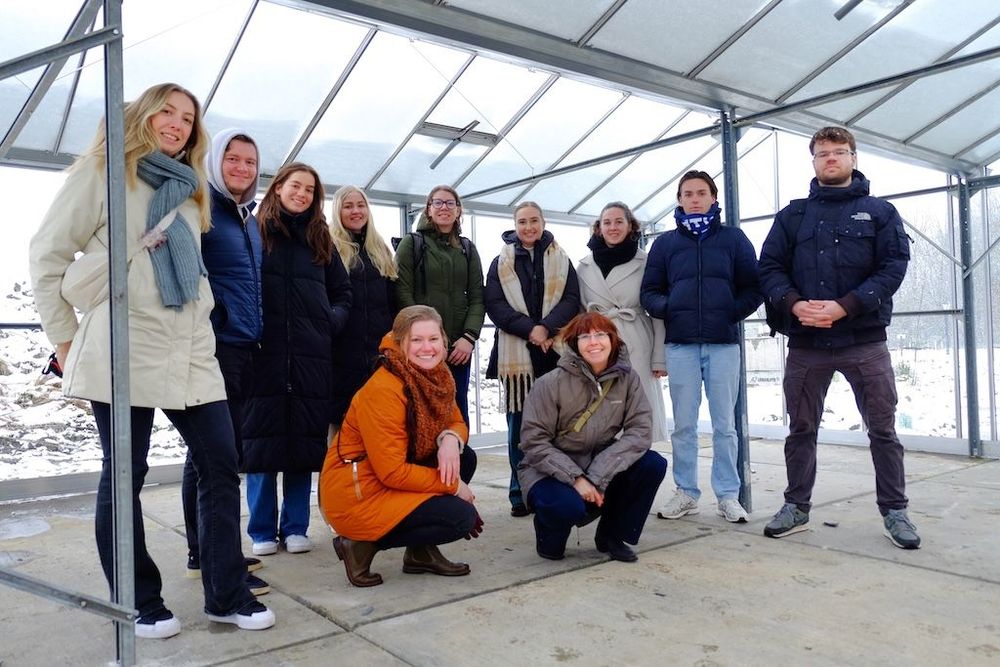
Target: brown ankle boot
429,559
357,557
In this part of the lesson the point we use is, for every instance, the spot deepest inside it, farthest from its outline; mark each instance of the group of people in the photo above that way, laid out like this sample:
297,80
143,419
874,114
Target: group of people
280,342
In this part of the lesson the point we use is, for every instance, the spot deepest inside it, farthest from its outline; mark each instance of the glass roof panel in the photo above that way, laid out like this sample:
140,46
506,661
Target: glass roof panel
273,99
43,126
984,151
916,37
210,24
566,111
410,172
929,98
568,19
965,127
489,91
562,192
27,27
366,122
503,198
790,42
650,169
639,24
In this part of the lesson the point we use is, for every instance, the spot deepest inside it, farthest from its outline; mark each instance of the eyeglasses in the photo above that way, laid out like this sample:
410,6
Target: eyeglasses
840,152
444,203
597,335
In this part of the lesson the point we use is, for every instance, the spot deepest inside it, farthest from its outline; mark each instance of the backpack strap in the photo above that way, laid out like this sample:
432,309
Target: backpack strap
777,319
591,409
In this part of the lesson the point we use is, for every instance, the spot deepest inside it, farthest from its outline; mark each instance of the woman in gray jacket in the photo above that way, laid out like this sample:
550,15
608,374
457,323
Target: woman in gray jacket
585,435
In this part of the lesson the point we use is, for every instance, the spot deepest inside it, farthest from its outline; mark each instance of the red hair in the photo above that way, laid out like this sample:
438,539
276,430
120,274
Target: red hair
587,322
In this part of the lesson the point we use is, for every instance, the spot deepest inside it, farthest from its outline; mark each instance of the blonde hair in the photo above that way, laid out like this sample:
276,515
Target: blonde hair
409,316
140,140
375,245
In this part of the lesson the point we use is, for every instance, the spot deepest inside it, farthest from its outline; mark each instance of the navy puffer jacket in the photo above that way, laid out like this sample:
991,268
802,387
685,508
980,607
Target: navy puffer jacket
702,286
232,253
846,246
306,305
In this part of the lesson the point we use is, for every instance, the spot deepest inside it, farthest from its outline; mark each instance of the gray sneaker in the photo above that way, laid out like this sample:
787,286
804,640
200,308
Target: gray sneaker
900,530
732,511
788,521
678,506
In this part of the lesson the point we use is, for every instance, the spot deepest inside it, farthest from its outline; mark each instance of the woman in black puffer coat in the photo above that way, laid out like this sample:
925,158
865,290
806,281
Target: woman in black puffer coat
372,269
306,301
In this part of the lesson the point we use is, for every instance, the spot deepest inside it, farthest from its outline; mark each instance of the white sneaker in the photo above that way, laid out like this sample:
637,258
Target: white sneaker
268,548
151,628
298,544
678,506
251,616
732,511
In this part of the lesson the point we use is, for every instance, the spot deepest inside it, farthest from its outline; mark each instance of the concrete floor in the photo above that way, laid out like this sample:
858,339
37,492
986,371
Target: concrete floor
704,592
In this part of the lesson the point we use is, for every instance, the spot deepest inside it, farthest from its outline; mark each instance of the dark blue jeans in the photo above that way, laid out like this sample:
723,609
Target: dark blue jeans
627,500
237,372
868,369
208,433
514,456
461,375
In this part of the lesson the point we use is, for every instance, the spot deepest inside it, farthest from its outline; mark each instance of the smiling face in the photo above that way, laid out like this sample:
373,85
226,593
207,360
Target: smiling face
173,123
239,167
834,163
528,225
296,193
425,344
595,349
354,212
443,210
614,227
696,196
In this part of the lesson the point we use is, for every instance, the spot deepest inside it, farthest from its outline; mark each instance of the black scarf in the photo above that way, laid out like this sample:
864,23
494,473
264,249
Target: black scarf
608,257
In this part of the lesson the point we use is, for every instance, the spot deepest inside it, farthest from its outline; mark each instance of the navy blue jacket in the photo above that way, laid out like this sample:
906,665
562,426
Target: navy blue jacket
356,348
849,247
288,414
531,275
702,286
232,253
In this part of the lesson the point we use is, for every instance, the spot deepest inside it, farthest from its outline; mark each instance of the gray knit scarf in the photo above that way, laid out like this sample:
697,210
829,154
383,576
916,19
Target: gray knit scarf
177,263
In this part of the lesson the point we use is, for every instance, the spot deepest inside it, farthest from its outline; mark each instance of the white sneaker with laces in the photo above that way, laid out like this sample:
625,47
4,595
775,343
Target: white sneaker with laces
268,548
678,506
298,544
732,511
251,616
157,626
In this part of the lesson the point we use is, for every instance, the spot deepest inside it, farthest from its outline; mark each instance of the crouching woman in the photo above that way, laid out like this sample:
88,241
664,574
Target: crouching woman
396,474
586,437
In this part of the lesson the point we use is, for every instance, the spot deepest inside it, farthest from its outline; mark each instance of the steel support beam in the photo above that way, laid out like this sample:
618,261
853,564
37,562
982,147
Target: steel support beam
43,589
121,412
41,57
84,18
968,297
730,169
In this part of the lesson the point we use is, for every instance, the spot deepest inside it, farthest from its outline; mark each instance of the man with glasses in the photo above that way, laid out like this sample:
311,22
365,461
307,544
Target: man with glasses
701,280
830,266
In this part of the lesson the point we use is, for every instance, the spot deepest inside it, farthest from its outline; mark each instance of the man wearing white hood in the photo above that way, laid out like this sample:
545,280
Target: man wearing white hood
231,250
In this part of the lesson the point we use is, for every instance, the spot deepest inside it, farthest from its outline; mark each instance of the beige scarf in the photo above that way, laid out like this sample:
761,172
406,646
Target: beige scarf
513,360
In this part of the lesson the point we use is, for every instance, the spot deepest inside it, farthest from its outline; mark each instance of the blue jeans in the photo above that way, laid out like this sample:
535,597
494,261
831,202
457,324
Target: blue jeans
718,368
627,500
515,456
208,434
461,374
264,524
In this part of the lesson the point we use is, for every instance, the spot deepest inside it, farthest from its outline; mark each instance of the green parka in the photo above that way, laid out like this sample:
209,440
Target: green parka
454,283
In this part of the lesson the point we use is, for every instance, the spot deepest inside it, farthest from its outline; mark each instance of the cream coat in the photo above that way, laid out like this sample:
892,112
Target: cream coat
617,298
172,353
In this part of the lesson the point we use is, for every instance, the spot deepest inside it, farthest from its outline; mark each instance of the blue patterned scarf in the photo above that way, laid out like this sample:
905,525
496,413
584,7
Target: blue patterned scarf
177,263
699,224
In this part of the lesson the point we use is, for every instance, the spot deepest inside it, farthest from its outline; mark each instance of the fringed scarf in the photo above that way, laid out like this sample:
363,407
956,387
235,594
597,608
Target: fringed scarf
699,224
513,359
430,403
177,263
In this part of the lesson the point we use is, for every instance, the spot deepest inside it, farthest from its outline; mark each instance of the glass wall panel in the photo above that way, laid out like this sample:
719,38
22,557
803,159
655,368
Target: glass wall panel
931,281
43,126
757,175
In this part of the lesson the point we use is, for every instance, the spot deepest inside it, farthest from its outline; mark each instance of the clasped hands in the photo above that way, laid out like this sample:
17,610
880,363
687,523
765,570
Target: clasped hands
818,313
540,336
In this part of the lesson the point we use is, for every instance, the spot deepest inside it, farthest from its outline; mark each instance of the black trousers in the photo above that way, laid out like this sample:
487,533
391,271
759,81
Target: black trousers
868,369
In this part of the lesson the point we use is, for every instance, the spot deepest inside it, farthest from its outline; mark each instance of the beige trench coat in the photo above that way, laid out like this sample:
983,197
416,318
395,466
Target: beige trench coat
171,352
617,298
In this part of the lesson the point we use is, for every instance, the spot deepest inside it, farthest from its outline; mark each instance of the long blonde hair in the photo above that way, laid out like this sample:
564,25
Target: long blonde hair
140,140
375,245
